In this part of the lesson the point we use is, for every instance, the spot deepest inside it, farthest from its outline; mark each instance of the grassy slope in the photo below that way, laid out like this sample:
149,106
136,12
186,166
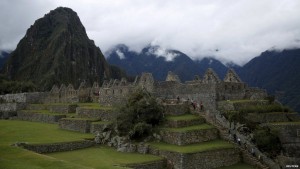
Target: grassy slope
200,147
191,128
32,132
103,157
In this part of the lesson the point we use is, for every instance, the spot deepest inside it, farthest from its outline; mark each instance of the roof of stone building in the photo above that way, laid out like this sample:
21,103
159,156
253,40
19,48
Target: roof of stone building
211,76
231,76
172,77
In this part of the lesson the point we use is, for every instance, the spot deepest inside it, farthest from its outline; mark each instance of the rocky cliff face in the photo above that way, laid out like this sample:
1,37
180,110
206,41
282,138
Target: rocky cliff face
56,50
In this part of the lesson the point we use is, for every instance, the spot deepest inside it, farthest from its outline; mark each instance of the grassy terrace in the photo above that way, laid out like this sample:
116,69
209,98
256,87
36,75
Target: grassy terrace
190,128
103,157
94,106
83,105
32,132
102,122
12,131
192,148
245,101
183,117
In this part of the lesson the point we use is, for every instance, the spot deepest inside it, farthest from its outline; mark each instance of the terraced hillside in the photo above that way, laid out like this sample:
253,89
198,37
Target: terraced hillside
273,128
188,142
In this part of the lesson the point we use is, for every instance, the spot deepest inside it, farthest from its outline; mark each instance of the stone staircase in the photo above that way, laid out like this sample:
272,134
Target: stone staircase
188,142
247,157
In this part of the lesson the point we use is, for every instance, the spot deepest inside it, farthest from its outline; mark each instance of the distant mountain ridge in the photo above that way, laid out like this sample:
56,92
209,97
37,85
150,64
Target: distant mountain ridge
3,57
278,72
57,50
159,61
274,71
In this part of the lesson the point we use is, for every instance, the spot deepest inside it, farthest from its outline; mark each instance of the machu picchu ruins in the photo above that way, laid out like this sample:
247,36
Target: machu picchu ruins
198,137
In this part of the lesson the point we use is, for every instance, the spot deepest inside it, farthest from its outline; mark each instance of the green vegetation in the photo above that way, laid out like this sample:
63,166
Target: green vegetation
8,86
140,115
191,128
103,157
239,166
183,117
192,148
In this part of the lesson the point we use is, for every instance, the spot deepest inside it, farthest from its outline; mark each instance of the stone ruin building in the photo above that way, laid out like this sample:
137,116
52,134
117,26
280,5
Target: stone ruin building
206,90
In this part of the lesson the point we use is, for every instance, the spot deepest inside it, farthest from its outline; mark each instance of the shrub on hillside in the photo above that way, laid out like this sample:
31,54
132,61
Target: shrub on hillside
139,115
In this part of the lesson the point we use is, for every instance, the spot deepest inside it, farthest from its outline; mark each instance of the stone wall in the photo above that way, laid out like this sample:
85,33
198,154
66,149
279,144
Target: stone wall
58,147
176,109
34,97
39,117
64,109
200,160
103,114
289,135
184,123
161,164
8,110
189,137
99,126
81,125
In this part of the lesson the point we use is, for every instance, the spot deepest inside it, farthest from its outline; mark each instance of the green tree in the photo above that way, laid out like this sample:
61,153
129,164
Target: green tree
139,115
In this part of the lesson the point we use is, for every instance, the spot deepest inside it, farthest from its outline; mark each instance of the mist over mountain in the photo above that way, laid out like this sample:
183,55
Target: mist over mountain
159,61
57,50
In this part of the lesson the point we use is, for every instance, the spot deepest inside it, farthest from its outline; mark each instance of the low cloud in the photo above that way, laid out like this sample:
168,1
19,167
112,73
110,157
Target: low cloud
227,30
162,52
120,54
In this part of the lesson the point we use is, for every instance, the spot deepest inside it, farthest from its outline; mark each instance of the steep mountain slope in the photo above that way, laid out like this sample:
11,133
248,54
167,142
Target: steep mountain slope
159,61
276,71
56,50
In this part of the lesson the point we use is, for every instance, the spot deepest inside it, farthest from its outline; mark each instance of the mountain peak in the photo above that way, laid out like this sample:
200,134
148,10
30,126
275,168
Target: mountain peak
57,50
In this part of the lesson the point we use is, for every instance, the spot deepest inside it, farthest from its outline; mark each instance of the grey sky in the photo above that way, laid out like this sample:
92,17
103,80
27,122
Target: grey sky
230,30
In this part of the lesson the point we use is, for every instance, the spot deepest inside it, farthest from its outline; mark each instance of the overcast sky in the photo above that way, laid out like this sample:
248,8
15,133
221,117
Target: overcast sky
230,30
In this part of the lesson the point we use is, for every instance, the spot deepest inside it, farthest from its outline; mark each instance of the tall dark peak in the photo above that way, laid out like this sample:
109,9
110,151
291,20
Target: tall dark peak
57,50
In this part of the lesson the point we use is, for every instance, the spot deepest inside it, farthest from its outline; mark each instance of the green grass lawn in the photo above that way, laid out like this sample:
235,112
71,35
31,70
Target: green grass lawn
12,131
239,166
190,128
183,117
102,157
32,132
192,148
11,157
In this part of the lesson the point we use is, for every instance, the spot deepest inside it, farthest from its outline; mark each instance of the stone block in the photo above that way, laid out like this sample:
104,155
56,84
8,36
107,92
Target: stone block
189,137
